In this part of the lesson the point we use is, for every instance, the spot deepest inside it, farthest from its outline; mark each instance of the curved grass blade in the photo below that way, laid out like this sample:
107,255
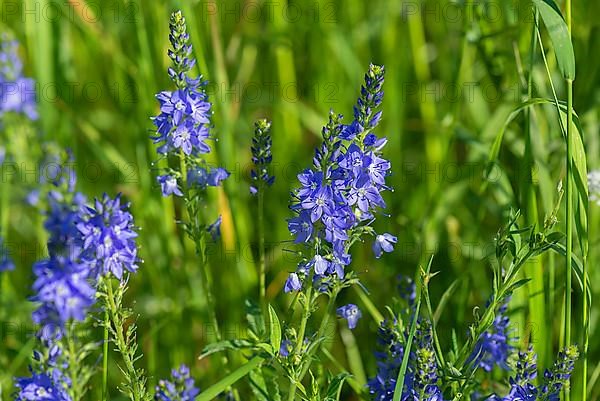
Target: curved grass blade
559,35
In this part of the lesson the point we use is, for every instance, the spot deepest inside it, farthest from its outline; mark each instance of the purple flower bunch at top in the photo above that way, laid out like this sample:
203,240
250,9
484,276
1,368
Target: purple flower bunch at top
63,286
108,236
341,194
17,93
182,126
494,347
181,387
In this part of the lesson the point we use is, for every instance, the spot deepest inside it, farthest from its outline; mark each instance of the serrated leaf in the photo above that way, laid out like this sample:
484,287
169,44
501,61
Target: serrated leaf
334,390
258,385
559,35
275,329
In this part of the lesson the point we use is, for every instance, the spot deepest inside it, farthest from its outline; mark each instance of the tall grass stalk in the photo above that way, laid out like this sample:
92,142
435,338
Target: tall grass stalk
569,207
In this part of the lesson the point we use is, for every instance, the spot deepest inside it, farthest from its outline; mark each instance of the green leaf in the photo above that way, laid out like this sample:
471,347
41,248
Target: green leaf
275,328
256,321
577,268
413,329
220,386
225,346
445,298
559,35
334,390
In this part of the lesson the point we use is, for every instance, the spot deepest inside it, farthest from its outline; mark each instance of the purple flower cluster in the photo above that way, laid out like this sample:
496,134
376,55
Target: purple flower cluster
339,197
84,242
421,379
17,93
181,387
183,121
182,127
108,236
63,286
494,347
42,387
522,384
48,380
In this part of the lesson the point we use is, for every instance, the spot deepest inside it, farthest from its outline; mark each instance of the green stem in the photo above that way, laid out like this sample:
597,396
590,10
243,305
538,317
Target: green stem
116,321
261,245
322,328
105,357
73,363
569,221
301,331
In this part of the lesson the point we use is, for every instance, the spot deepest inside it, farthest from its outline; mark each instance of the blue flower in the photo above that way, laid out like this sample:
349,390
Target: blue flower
215,176
17,93
340,196
261,156
168,185
285,348
6,263
557,377
214,229
109,236
383,243
292,283
351,313
41,387
181,387
62,283
301,226
184,119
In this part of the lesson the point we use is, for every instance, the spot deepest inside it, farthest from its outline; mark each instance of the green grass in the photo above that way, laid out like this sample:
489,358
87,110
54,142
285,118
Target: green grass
439,145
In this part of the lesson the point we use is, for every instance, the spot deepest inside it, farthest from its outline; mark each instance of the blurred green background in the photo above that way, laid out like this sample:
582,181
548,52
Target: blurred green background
454,72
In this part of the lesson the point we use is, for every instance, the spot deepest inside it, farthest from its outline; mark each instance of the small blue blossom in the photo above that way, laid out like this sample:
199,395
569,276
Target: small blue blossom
351,313
6,263
292,283
383,243
168,185
285,348
214,229
181,387
216,176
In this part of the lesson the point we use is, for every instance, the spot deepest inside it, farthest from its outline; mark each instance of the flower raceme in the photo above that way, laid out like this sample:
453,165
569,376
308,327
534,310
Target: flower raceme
181,387
85,242
183,125
341,194
261,156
